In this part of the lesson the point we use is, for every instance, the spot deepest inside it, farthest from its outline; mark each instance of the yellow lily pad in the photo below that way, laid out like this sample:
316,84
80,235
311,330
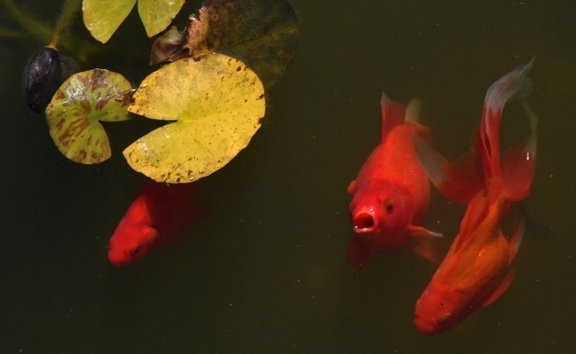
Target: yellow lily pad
103,17
76,108
157,15
218,104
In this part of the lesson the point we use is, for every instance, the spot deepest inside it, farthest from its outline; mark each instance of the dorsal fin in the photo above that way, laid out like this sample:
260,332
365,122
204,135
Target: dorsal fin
413,111
351,188
393,114
475,212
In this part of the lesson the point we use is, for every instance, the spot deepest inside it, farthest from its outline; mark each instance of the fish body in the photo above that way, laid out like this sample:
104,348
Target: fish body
157,214
477,268
391,194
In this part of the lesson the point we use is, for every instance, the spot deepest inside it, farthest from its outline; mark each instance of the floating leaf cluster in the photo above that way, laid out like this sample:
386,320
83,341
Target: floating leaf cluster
212,89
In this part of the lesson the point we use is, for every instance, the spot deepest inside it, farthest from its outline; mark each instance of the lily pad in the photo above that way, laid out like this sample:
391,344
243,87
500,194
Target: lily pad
103,17
157,15
217,103
263,34
80,103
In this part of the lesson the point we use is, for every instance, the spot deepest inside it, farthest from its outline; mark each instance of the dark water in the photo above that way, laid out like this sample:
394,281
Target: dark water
266,272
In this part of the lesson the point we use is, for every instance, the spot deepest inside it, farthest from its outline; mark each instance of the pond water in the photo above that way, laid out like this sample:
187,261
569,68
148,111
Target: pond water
266,272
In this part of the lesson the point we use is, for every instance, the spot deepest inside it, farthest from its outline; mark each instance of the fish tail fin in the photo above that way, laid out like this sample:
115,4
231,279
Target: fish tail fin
518,164
459,180
514,85
393,114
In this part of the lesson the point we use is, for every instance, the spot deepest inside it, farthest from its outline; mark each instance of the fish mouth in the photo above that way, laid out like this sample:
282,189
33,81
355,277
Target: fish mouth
424,326
118,258
364,221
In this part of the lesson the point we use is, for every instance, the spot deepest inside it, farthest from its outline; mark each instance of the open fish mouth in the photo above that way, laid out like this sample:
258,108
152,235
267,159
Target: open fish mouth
364,221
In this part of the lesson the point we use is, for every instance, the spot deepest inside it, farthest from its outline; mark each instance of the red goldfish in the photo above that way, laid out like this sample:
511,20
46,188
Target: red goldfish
391,194
158,213
477,268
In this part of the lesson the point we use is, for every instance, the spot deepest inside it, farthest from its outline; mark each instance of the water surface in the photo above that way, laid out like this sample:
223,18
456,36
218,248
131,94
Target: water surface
266,272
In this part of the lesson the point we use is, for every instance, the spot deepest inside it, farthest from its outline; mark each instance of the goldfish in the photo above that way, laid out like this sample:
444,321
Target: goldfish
391,194
477,269
158,212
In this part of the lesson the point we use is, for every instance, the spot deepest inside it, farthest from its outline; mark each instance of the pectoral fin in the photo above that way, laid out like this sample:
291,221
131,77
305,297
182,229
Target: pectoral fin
148,233
419,231
502,287
352,187
476,212
424,243
515,240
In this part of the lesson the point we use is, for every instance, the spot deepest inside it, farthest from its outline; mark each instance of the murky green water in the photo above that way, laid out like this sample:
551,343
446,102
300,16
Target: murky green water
266,272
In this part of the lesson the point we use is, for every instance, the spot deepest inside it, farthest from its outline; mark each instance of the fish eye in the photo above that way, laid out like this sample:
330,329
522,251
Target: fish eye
389,205
444,320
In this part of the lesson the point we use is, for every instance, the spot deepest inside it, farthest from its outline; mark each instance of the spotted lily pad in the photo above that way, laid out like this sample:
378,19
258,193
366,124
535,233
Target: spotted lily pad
80,103
263,34
103,17
217,103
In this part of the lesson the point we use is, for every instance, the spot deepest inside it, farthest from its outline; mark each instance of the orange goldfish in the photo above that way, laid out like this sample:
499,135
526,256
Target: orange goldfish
391,194
477,268
159,212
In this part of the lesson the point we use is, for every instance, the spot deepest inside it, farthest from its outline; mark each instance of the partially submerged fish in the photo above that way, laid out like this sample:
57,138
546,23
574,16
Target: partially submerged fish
157,214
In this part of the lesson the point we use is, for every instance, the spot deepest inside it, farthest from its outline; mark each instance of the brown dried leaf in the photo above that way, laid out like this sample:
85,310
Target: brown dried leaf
262,33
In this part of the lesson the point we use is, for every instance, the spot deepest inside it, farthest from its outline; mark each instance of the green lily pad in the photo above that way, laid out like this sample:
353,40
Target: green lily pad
80,103
217,103
263,34
103,17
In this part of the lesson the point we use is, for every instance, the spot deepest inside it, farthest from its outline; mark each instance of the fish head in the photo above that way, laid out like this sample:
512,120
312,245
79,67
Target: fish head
130,242
438,309
380,208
